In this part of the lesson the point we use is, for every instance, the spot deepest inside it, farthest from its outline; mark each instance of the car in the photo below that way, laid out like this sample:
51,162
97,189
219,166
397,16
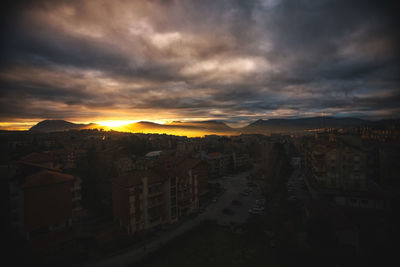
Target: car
258,208
260,202
228,211
244,193
256,212
214,200
249,190
251,184
292,198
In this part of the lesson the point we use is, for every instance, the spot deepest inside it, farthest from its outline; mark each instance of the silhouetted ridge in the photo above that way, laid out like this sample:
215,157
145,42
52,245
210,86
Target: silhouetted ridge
58,125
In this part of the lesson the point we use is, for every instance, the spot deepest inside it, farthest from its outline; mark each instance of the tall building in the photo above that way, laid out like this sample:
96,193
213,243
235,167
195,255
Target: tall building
145,199
339,171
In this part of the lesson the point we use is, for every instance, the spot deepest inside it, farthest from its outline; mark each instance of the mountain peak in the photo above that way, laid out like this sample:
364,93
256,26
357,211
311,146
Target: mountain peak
56,126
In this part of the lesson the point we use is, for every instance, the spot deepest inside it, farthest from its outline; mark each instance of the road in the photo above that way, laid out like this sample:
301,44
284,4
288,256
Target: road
233,185
297,189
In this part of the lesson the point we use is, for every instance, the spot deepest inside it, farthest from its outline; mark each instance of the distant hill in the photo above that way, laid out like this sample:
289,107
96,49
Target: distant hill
180,128
290,125
209,125
59,126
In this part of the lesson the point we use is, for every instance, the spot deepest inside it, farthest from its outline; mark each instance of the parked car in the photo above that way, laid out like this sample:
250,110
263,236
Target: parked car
251,184
257,212
244,193
258,208
214,200
260,202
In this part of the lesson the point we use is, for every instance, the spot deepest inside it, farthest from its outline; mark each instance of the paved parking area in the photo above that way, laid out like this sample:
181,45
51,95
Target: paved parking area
234,186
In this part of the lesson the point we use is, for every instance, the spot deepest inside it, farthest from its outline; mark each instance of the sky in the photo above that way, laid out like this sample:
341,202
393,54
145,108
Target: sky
234,61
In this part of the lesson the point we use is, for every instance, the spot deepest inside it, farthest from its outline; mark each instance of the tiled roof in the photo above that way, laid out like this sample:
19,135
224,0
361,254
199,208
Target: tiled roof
189,163
37,158
214,155
47,177
135,178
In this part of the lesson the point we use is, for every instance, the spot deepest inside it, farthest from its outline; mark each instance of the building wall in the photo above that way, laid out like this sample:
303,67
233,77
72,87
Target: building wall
47,205
201,172
120,204
151,204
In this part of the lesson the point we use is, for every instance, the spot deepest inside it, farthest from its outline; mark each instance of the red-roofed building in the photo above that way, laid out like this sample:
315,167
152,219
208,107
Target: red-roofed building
42,159
44,202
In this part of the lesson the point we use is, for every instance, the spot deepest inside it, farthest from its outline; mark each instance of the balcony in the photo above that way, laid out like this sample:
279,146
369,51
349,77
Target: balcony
76,197
155,193
185,203
154,204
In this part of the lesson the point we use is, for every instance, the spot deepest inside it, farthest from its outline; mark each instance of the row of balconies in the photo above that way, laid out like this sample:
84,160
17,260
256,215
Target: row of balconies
154,204
76,197
156,193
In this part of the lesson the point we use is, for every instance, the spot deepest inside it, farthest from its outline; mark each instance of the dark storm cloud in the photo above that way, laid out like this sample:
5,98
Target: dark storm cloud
235,60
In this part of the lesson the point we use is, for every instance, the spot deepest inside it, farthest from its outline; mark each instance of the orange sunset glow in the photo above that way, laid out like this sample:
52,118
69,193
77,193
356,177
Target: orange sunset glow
161,61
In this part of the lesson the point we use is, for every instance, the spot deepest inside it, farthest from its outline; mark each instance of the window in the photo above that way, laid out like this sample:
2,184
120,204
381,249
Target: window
173,191
173,181
173,212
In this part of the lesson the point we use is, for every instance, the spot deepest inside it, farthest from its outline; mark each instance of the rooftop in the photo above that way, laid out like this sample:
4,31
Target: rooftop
46,177
37,158
135,178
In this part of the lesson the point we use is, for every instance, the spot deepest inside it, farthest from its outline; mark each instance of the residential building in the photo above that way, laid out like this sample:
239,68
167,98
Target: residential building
43,202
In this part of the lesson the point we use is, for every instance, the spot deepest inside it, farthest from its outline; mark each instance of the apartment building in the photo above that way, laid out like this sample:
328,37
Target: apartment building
143,200
43,202
340,172
146,199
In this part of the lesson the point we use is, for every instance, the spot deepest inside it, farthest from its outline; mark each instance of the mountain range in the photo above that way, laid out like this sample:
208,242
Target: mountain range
201,128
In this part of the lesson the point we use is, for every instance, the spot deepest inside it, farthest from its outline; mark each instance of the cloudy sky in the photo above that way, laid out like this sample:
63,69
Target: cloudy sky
237,61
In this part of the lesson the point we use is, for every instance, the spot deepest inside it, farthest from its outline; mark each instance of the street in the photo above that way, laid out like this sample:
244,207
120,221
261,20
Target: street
234,185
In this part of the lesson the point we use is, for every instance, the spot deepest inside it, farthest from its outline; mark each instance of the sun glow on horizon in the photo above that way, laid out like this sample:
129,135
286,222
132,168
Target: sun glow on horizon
119,123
